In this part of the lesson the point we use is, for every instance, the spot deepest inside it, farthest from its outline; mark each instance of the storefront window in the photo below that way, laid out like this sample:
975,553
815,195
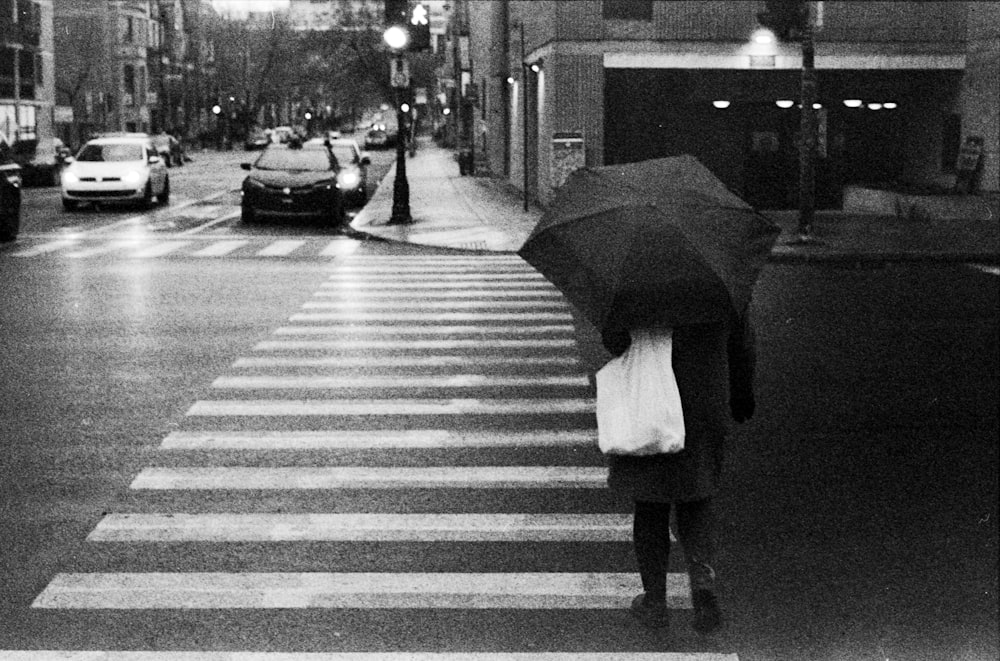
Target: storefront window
630,10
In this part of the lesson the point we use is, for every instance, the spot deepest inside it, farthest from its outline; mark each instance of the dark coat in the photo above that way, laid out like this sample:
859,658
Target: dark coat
714,365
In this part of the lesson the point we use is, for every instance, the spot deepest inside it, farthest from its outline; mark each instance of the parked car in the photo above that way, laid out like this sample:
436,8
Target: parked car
10,192
286,182
169,148
40,161
120,169
353,170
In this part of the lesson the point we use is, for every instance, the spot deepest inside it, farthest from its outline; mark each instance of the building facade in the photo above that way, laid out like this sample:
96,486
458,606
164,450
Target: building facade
901,86
133,65
27,88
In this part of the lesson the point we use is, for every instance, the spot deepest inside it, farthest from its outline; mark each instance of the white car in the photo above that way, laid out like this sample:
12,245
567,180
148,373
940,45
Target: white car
119,169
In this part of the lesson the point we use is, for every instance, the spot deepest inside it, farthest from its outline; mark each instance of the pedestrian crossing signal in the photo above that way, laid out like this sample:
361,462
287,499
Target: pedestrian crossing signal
419,27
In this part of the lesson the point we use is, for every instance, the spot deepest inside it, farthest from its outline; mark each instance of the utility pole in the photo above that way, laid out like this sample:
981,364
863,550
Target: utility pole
808,128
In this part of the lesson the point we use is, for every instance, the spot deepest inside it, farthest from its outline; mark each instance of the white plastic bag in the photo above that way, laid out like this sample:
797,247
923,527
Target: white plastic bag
638,402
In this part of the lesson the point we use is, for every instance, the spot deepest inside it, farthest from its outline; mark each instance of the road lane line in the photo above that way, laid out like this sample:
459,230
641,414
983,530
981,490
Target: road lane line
110,246
395,381
324,527
396,275
363,439
219,248
339,247
294,478
436,345
218,221
367,360
376,407
212,590
281,248
366,330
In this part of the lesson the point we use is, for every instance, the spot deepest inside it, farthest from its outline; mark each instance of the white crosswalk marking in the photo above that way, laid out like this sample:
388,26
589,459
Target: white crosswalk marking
102,249
44,248
280,248
441,325
219,248
370,439
351,590
161,249
364,527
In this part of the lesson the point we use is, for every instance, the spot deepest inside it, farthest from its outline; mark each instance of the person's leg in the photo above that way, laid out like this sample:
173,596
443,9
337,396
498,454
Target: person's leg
696,530
651,539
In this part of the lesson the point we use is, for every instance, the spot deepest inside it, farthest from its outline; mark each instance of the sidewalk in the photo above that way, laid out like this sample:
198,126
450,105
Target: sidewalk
481,213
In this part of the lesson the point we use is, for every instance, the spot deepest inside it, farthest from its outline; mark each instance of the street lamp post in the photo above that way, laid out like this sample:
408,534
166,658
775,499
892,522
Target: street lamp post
397,39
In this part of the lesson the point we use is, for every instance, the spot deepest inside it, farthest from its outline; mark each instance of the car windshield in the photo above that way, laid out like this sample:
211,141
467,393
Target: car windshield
344,153
302,160
110,153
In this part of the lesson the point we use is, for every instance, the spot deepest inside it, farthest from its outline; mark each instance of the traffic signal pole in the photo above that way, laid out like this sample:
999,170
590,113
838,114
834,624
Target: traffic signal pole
400,185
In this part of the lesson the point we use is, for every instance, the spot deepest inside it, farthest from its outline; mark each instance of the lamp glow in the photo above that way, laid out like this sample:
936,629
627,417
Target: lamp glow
890,105
720,104
874,106
784,103
396,37
853,103
535,68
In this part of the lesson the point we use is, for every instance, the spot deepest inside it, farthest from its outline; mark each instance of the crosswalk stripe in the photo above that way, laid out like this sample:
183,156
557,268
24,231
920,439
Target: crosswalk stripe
219,248
364,477
443,270
354,275
415,439
347,285
421,303
104,248
69,655
160,249
339,247
437,345
200,590
373,407
395,381
479,331
44,248
281,248
435,259
447,294
367,360
431,316
437,527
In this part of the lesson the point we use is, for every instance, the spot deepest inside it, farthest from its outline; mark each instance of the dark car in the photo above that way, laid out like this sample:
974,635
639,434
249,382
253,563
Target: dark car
287,182
10,192
41,161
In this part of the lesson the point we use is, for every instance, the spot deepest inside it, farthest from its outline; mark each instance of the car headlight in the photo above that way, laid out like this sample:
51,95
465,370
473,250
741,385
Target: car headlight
69,177
349,179
133,177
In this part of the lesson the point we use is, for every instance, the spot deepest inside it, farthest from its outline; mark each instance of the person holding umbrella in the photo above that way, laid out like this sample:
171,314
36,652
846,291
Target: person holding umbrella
663,244
712,363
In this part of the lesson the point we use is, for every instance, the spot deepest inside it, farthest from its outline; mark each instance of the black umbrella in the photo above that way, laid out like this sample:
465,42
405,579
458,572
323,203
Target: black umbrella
660,242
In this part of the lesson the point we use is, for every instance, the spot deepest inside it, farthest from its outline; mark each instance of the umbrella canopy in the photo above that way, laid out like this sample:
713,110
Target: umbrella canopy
660,242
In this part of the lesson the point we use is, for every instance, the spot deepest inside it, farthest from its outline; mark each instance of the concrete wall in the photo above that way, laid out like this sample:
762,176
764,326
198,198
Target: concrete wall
980,95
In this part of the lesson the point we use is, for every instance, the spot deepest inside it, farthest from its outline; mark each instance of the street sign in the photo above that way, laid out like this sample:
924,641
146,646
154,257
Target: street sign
399,73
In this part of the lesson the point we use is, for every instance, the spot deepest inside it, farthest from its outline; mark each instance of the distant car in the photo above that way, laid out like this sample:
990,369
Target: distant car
169,148
10,192
257,140
120,169
40,161
376,139
296,183
282,134
353,170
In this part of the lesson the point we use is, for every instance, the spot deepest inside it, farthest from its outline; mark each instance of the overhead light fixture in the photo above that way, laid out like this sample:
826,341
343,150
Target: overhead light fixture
890,105
784,103
853,103
817,106
874,106
763,37
720,104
